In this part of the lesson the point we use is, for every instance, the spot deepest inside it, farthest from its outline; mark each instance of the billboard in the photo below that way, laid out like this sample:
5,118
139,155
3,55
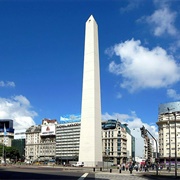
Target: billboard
6,126
8,123
47,130
169,107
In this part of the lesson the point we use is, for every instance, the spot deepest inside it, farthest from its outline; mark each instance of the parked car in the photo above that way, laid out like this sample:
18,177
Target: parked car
78,164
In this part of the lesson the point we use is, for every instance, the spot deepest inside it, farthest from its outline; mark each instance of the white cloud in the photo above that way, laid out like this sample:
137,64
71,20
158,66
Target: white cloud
173,94
134,124
142,68
17,108
162,21
174,47
70,117
7,84
131,5
132,120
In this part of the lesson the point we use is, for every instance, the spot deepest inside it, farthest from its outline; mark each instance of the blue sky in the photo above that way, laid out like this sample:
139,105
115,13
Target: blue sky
41,58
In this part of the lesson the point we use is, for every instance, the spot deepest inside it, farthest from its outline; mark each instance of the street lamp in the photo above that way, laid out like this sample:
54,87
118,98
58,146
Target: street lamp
107,153
144,135
169,140
174,113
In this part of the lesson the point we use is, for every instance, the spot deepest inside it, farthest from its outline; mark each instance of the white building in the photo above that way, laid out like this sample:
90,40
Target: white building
139,142
32,149
118,143
114,142
67,142
169,132
20,134
41,141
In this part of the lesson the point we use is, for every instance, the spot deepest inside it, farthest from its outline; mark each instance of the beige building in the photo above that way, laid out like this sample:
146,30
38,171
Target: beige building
32,147
41,141
148,149
169,133
61,141
118,143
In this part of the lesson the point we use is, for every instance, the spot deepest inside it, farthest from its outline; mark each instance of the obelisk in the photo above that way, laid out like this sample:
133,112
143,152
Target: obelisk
90,149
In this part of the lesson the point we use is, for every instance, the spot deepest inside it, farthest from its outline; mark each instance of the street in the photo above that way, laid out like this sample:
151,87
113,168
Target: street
24,172
39,172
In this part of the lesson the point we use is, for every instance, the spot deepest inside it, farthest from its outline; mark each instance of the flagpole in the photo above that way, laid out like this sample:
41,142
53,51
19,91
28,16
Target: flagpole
4,142
3,153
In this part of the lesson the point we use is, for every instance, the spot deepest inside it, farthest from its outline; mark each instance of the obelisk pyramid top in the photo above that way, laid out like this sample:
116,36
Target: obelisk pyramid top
91,18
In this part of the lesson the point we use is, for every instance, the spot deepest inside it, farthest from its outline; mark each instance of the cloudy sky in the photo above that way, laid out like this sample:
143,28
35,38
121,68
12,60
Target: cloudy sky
41,58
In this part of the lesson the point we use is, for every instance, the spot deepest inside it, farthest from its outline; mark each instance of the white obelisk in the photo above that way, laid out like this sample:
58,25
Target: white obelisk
90,150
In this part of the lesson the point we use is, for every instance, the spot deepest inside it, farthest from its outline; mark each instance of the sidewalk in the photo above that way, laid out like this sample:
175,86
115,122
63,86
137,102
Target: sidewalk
161,173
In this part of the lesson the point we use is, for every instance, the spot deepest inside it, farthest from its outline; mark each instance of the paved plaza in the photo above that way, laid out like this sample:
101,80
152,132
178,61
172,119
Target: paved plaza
125,175
116,176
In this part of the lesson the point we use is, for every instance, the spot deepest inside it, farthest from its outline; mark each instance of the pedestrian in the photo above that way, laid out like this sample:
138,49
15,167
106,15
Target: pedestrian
130,169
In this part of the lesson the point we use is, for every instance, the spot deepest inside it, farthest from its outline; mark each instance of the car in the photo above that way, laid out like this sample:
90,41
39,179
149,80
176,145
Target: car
78,164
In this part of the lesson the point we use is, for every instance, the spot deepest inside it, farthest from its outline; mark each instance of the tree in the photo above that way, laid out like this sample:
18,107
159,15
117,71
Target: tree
9,152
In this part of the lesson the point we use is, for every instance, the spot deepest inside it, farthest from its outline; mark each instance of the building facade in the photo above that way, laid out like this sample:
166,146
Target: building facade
6,131
32,149
61,142
169,133
41,141
67,142
118,144
117,148
6,135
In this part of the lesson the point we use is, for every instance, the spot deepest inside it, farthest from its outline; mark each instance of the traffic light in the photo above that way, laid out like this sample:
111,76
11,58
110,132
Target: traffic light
143,131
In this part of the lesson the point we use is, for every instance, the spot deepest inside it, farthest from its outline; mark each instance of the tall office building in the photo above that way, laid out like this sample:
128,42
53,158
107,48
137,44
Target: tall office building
90,151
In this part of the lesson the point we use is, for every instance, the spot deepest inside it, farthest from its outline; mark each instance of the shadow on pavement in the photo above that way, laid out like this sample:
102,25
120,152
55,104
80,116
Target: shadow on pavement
11,174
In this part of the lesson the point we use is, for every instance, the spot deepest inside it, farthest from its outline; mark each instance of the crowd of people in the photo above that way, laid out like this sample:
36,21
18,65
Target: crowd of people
136,167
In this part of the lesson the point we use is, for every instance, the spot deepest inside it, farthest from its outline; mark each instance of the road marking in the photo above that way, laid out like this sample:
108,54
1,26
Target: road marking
83,176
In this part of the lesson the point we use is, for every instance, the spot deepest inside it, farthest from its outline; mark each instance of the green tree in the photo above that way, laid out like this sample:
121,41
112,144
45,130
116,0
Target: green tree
1,149
12,153
9,152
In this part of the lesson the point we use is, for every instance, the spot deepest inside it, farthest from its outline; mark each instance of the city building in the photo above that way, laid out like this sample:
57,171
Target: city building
118,143
150,146
139,142
60,142
130,143
33,143
117,148
169,133
19,144
6,136
20,134
148,150
41,141
6,131
67,142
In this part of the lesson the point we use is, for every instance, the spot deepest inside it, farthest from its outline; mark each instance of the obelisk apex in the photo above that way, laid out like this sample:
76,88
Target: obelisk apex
90,150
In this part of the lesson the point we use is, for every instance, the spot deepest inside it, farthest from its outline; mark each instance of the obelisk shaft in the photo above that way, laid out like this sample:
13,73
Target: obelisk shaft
90,151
